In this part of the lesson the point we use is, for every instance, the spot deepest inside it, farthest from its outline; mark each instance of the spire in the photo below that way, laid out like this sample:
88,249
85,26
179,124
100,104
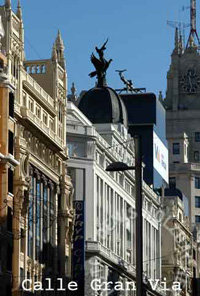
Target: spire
181,45
59,48
176,42
54,55
8,4
19,10
59,41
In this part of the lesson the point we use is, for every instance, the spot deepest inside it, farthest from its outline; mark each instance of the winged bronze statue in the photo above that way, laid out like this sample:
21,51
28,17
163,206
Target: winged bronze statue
101,65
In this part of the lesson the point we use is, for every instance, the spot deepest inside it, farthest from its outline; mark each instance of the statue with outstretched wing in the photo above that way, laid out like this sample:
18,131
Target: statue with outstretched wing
101,65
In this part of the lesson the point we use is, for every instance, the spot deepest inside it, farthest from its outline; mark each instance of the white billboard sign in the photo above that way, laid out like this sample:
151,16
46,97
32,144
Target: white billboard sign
160,158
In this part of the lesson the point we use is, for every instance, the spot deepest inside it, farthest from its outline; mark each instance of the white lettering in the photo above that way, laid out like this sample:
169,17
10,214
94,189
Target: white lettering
61,285
49,285
73,286
154,284
118,286
95,285
25,282
37,286
106,284
130,286
164,285
176,286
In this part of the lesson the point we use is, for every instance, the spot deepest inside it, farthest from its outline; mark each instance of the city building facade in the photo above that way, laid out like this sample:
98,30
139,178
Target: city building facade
109,197
182,127
39,201
7,165
179,249
183,109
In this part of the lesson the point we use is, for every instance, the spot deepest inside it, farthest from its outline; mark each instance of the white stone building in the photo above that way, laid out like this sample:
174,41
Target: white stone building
110,203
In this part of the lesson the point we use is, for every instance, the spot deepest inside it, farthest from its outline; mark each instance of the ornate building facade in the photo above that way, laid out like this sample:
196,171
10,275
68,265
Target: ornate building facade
7,166
41,199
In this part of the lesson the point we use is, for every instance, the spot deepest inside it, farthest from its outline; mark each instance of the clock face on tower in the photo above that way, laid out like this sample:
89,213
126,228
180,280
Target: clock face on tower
190,81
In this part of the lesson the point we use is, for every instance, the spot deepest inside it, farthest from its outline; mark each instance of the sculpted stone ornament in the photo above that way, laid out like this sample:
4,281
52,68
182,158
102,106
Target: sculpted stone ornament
101,65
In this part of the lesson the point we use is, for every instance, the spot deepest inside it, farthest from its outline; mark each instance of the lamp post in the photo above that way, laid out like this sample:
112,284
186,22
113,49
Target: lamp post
120,166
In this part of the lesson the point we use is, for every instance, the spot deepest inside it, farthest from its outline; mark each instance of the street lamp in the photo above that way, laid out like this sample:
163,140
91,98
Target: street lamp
120,166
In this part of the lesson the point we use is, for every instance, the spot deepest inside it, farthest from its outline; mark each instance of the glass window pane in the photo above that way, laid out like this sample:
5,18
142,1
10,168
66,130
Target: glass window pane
197,137
197,201
176,148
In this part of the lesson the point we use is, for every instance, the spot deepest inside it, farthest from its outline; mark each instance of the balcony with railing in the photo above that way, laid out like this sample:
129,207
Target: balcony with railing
44,97
33,119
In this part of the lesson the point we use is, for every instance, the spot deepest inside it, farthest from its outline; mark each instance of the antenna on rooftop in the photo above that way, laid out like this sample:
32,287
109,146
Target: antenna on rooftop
193,25
181,28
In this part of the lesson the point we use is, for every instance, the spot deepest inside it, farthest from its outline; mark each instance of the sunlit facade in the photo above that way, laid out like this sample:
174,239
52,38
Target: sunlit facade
40,196
109,199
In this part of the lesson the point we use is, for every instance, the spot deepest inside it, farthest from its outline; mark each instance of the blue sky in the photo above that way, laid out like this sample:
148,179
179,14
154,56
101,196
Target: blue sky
139,38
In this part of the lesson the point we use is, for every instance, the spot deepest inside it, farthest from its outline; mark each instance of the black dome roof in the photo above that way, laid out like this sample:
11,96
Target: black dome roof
103,105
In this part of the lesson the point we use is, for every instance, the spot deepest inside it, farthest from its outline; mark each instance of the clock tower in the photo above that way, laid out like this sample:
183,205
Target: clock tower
182,105
183,78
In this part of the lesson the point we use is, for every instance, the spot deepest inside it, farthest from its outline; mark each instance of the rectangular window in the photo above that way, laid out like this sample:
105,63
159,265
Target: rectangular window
197,137
10,142
10,181
60,115
197,182
196,155
45,213
51,123
30,218
38,111
9,220
11,104
22,240
197,201
30,105
45,117
176,148
197,219
41,230
38,219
